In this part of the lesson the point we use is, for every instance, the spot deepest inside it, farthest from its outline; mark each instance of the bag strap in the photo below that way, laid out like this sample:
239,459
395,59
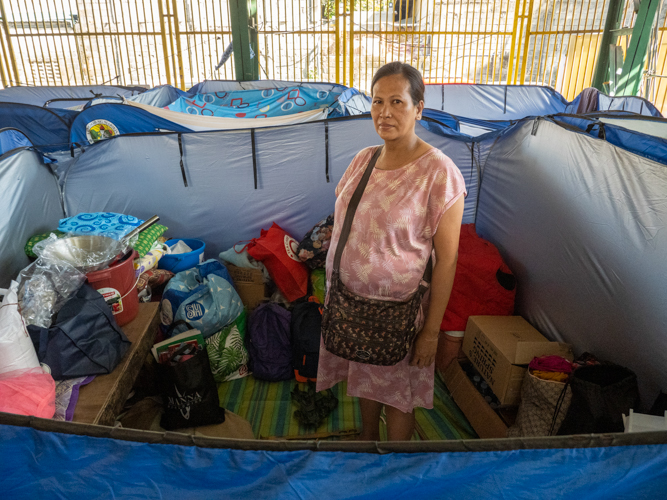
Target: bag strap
559,403
175,324
352,209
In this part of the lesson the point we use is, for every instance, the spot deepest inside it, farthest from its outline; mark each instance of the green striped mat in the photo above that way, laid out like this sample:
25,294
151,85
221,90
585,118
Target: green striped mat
269,409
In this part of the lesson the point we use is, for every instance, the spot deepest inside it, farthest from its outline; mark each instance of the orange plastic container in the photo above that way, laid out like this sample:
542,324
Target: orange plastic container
117,284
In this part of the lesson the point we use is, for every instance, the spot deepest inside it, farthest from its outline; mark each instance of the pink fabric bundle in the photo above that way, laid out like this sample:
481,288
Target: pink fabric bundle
551,364
28,392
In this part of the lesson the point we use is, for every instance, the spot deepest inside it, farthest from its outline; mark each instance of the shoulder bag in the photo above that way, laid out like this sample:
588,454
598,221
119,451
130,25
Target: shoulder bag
371,331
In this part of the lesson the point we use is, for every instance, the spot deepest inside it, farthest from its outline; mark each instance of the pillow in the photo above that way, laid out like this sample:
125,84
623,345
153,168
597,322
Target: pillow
153,278
107,224
147,237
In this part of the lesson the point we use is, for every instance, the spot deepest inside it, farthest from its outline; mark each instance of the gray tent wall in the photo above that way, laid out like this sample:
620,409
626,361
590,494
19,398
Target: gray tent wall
494,102
633,104
582,224
141,175
647,125
30,202
514,102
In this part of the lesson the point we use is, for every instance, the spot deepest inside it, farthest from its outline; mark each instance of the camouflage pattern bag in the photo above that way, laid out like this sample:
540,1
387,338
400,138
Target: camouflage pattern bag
376,332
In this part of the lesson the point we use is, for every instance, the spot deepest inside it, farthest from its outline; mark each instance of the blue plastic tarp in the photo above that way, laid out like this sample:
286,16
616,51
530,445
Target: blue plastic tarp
53,465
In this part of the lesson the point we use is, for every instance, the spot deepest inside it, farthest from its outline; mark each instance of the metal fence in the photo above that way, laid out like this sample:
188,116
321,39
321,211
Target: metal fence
128,42
181,42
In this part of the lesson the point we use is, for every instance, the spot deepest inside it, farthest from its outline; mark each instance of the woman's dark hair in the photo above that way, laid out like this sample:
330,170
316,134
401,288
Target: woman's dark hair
412,75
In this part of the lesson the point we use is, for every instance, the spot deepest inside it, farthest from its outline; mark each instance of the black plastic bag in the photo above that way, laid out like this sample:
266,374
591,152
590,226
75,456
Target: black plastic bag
600,395
189,393
84,339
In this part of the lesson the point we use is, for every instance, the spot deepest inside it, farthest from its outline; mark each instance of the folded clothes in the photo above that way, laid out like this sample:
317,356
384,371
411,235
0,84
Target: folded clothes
553,376
551,363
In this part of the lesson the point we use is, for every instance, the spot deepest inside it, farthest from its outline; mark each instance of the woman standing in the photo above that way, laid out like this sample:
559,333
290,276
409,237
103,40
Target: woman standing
411,206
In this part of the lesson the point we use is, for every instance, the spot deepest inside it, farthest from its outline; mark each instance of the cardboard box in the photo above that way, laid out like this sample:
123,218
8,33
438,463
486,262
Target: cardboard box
484,419
500,348
249,284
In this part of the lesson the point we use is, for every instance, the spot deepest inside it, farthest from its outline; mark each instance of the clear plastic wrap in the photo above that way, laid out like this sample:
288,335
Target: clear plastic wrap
86,253
44,286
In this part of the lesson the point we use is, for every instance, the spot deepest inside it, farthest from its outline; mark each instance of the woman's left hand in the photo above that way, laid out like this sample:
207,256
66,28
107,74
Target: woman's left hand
426,345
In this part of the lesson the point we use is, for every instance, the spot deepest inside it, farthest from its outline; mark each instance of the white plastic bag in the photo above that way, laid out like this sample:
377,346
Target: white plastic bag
16,349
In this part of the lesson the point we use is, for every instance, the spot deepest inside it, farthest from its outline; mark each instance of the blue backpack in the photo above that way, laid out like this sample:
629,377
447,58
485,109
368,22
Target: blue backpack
268,343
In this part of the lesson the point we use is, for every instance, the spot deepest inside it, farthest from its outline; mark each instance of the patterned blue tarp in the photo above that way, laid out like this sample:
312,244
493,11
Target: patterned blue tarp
255,103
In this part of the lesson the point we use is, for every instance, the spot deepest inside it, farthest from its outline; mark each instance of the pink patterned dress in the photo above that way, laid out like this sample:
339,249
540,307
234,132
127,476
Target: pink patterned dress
384,258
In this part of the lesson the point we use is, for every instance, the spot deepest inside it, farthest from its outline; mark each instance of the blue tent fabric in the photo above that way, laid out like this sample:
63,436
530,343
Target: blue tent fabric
42,126
255,103
126,119
11,139
70,466
654,148
439,116
39,96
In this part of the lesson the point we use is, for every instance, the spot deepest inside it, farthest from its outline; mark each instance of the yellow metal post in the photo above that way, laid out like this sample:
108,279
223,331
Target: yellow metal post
9,44
179,53
510,67
529,22
4,63
172,50
351,84
337,42
165,50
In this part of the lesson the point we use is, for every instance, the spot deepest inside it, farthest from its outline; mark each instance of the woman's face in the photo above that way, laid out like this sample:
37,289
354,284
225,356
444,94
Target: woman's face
394,114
